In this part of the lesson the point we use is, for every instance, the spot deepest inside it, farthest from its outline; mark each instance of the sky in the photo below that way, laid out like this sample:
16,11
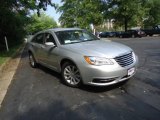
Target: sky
52,12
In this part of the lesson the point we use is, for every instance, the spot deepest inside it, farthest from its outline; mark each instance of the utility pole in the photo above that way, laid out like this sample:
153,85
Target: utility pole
6,43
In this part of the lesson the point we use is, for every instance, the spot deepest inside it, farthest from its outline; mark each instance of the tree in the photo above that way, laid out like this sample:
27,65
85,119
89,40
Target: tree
153,17
14,18
80,13
40,23
124,11
12,25
18,5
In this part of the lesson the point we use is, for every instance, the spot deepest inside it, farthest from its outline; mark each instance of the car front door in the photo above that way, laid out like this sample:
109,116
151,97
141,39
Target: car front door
50,53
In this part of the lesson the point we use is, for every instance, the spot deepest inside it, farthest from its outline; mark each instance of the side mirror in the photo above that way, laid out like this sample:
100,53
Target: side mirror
50,44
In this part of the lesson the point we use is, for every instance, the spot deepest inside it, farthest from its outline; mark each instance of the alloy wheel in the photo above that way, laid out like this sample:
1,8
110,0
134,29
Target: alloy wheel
32,60
71,75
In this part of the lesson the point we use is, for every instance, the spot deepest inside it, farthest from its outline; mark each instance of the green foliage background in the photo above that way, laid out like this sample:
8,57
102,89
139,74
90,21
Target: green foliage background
14,17
126,13
16,20
40,23
80,13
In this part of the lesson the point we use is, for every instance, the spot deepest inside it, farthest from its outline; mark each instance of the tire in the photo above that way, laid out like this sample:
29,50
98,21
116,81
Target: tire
71,75
133,36
32,60
120,36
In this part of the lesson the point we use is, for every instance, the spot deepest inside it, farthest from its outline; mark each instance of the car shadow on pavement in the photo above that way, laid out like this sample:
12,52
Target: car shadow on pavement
50,71
99,89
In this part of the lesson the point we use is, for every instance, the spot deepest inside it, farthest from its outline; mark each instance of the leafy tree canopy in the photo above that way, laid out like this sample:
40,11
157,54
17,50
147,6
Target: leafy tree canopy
40,23
124,11
19,5
14,16
153,16
80,13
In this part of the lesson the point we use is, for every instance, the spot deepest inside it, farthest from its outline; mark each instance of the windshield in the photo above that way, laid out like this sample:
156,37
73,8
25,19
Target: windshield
75,36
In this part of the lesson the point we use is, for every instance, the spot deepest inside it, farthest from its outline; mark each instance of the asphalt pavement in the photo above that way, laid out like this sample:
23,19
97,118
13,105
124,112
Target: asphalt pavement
39,94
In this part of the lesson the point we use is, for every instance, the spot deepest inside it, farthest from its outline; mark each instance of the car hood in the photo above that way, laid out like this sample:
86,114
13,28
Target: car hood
101,48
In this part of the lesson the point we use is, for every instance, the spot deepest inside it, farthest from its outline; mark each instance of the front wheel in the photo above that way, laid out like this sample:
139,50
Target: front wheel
71,75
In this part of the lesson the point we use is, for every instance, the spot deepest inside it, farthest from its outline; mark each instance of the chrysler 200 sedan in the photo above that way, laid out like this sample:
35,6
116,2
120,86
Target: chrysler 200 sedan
81,57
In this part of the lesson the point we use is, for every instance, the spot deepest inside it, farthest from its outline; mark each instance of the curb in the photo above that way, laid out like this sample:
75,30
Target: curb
8,59
5,81
4,64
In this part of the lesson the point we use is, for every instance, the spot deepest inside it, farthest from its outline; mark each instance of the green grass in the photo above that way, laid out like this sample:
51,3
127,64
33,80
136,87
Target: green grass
4,55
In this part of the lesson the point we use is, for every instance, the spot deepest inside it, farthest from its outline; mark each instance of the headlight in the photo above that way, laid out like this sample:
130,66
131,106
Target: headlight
134,56
98,60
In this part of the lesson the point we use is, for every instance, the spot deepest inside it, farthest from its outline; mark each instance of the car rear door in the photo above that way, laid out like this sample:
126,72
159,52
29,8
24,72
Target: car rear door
36,44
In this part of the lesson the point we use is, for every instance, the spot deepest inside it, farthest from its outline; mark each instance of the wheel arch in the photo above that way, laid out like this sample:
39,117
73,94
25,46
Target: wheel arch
31,52
64,60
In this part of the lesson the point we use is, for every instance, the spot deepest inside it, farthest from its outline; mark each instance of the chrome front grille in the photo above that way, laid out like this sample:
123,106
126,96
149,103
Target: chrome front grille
125,60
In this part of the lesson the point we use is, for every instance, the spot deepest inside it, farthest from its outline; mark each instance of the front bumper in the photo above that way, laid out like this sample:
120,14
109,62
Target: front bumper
107,74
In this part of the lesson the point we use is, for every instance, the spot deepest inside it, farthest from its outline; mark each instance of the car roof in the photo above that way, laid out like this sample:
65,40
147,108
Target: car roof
57,29
63,29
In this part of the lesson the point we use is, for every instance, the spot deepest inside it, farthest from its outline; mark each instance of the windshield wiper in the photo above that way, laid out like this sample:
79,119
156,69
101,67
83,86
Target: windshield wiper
90,40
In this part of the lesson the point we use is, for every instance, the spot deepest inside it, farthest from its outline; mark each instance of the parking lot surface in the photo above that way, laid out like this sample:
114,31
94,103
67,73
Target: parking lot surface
39,94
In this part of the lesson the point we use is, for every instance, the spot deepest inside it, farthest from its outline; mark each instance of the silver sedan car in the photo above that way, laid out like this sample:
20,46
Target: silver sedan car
81,57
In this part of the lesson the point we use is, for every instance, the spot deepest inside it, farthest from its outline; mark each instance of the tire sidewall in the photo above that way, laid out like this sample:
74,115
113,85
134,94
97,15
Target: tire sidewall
133,36
35,64
64,80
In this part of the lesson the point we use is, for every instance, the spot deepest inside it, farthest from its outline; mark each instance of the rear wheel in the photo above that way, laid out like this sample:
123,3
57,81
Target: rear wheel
32,60
120,36
71,75
133,36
